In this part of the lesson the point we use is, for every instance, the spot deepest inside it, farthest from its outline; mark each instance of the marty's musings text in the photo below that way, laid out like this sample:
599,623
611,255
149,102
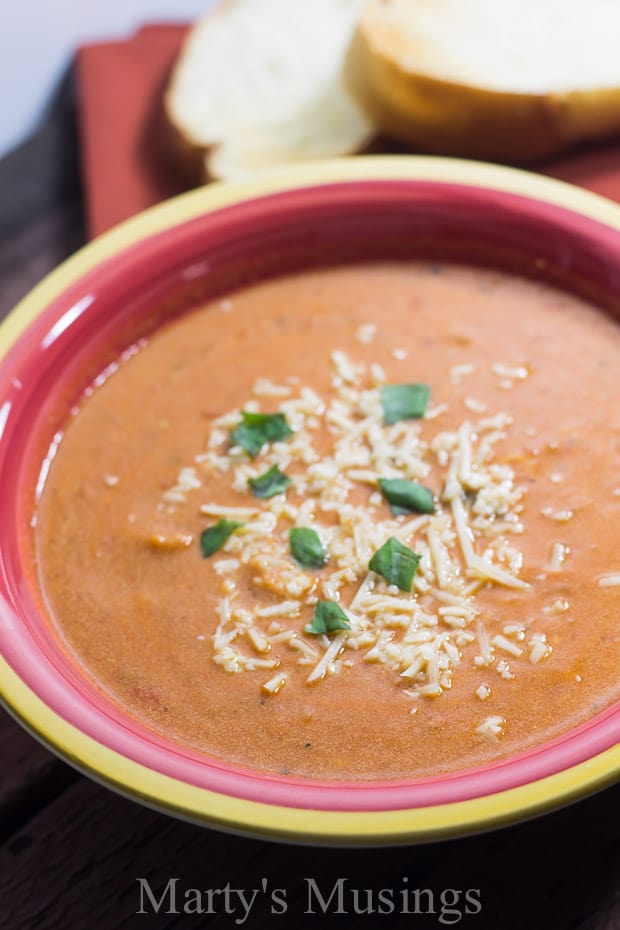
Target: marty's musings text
338,896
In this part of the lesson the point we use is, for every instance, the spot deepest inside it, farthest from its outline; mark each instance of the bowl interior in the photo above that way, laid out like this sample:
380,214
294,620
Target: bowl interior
124,298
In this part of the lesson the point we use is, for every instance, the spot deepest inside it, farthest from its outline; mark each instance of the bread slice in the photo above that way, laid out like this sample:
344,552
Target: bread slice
512,80
259,84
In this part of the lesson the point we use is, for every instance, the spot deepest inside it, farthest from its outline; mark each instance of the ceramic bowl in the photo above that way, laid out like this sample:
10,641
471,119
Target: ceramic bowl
194,248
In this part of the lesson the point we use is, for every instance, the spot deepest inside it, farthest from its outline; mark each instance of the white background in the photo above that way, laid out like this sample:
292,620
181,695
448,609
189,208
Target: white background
39,37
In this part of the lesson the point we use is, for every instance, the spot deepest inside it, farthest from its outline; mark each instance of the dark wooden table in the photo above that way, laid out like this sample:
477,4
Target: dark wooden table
72,851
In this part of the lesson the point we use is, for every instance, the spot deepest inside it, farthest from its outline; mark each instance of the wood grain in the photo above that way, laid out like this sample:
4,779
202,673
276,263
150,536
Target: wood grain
31,777
76,865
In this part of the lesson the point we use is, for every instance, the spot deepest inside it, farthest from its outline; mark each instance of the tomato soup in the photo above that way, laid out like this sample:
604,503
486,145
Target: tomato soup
356,523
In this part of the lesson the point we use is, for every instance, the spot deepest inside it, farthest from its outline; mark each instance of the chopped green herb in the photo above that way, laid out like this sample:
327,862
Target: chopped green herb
306,547
404,402
328,617
272,482
406,496
215,536
258,428
396,562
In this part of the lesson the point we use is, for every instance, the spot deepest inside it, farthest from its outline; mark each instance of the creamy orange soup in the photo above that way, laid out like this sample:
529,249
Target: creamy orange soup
487,622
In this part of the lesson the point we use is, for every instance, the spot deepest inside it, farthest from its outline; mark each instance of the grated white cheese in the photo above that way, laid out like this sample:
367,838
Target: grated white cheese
320,669
475,405
285,608
560,516
558,556
275,684
518,372
459,371
609,581
345,370
539,648
366,333
265,387
300,645
224,566
237,513
377,374
491,728
503,668
559,606
506,645
514,629
433,412
485,651
258,640
483,692
187,480
492,572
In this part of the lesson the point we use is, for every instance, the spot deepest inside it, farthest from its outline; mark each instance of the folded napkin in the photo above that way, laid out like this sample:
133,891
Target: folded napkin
127,157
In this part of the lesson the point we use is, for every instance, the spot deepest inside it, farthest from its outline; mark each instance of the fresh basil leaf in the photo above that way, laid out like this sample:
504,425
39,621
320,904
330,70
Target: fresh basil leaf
328,617
272,482
307,547
213,538
396,562
406,496
256,429
404,402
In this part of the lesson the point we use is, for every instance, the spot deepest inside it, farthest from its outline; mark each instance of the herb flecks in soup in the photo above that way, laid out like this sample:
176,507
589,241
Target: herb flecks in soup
356,523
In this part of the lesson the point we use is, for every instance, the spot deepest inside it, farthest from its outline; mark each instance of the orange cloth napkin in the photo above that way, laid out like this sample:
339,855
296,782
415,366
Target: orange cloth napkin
127,161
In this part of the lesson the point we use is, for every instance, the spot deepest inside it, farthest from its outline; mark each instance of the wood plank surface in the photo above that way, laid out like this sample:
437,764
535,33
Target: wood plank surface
77,862
31,777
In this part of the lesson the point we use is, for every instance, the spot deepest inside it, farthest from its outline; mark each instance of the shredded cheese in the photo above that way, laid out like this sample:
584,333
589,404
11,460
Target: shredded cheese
366,333
609,581
236,513
275,684
466,545
560,516
516,372
265,387
539,648
224,566
491,728
459,371
475,405
506,645
187,481
558,556
328,657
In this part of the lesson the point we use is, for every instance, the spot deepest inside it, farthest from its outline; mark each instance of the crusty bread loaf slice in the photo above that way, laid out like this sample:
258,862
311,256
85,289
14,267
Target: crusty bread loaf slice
259,84
514,80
